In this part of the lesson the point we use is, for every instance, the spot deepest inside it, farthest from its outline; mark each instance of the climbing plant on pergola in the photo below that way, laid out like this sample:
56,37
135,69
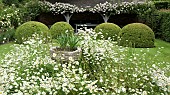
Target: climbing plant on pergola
65,9
104,9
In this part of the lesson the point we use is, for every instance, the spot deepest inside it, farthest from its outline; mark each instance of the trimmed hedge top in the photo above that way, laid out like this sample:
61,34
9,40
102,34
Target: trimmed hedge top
60,27
108,30
27,29
137,35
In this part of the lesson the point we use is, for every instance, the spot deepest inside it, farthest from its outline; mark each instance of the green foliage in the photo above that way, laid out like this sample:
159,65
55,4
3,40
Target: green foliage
137,35
117,66
68,41
27,29
10,2
31,9
162,4
153,20
60,27
160,24
1,5
62,41
105,69
165,26
10,17
27,10
33,62
26,1
158,0
108,30
73,41
7,36
146,13
144,8
17,2
157,20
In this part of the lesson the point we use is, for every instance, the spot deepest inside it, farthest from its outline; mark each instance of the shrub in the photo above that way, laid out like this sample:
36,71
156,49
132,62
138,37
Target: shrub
162,4
108,30
146,13
7,36
164,28
137,35
34,8
1,6
27,29
160,25
10,17
10,2
59,28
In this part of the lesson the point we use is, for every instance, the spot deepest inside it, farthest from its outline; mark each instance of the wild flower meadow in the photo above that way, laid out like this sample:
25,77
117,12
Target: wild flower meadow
104,68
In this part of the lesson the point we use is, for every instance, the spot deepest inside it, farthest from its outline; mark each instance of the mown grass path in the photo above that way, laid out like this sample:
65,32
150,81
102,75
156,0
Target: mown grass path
162,49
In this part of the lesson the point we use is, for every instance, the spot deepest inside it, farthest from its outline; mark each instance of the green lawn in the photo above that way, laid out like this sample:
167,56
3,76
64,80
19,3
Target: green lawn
160,46
5,48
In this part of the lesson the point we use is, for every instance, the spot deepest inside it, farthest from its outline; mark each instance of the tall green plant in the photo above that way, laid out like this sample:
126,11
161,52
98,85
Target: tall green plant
68,41
62,41
73,41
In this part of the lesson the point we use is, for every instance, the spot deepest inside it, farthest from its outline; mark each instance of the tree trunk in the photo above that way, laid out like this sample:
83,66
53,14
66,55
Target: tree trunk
105,17
67,17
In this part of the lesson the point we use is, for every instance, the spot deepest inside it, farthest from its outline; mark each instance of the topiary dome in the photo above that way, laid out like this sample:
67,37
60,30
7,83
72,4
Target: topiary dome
26,30
137,35
60,27
108,30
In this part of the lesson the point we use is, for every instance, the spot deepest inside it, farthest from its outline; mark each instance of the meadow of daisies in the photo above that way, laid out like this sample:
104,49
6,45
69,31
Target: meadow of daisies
104,68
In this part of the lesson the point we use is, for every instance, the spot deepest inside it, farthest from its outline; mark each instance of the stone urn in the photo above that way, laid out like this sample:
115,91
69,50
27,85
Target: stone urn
59,54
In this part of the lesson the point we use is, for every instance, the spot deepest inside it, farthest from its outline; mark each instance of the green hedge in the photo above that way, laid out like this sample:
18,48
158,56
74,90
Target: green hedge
108,30
160,23
162,4
16,2
164,18
26,30
137,35
32,9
